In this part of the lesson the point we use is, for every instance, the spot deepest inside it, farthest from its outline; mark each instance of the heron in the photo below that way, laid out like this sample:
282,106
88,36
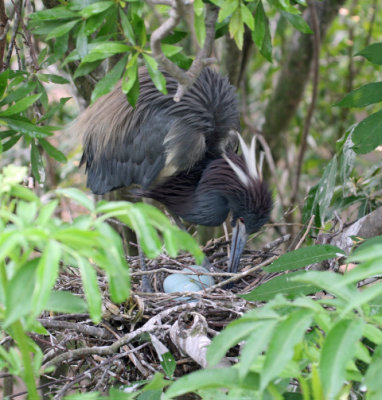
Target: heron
182,154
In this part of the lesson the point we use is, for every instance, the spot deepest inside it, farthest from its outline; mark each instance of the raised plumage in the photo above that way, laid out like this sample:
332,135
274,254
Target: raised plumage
182,154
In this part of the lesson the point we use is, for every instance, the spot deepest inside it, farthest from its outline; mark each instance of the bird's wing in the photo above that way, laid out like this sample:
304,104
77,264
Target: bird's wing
158,138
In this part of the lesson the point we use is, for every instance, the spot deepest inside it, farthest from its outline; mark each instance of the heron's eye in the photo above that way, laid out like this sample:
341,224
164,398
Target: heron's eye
241,220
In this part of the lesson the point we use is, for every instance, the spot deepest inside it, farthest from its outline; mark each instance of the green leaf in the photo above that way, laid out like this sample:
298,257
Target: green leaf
19,292
78,196
130,86
53,14
104,50
262,35
36,162
363,96
281,346
82,41
107,83
282,284
373,376
170,50
297,21
325,188
3,81
65,302
62,29
200,29
128,30
25,127
46,275
228,9
20,106
96,8
19,93
198,7
304,257
91,289
373,53
367,135
157,76
85,68
236,28
8,241
53,151
247,16
52,78
168,364
338,349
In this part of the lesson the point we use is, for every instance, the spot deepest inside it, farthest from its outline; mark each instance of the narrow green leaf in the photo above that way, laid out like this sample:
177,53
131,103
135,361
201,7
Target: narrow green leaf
326,188
104,50
78,196
198,7
247,16
53,151
297,21
128,30
368,94
157,76
53,78
170,50
46,275
36,162
200,29
283,284
82,41
53,14
62,29
46,212
91,289
25,127
85,68
367,135
107,83
3,81
281,346
20,106
19,93
10,143
96,8
261,35
65,302
236,28
373,53
8,241
304,257
338,349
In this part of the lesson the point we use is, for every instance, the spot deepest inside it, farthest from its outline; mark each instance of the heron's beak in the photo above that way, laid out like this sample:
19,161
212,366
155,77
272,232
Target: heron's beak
239,239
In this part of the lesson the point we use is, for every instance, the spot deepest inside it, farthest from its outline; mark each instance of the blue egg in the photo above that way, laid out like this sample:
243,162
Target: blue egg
204,281
180,283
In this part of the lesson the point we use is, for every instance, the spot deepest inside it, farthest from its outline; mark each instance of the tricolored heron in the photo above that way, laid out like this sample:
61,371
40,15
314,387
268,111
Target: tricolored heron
182,154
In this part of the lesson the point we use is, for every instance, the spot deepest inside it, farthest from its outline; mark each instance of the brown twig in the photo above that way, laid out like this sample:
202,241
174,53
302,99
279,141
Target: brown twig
185,79
4,24
312,106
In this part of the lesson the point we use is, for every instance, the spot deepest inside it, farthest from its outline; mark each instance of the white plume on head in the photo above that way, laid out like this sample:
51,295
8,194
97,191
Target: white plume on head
249,155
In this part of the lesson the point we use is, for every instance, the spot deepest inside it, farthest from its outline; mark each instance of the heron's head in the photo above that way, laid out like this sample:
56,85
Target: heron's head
251,202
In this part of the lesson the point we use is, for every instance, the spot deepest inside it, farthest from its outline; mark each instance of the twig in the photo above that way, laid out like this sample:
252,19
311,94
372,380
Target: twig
310,223
185,79
4,24
312,106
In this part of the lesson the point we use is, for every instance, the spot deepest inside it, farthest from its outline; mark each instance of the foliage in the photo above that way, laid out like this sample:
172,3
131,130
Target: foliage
34,245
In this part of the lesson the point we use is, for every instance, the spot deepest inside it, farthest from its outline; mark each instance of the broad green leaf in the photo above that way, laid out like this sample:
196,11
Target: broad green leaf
373,376
198,7
46,275
168,364
3,82
130,86
85,68
304,257
283,284
247,16
297,21
53,78
261,35
20,106
373,53
76,238
82,41
62,29
210,378
19,93
106,84
236,28
104,50
65,302
170,50
372,333
36,163
96,8
91,289
255,344
338,349
78,196
281,346
157,76
229,7
19,292
93,23
200,29
53,151
53,14
367,135
8,241
10,143
229,337
46,212
368,94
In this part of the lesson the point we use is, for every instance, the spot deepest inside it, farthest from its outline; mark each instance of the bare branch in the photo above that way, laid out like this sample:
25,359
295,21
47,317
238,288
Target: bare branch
185,78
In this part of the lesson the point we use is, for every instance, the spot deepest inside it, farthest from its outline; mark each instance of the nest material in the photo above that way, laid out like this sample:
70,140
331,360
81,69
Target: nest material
129,344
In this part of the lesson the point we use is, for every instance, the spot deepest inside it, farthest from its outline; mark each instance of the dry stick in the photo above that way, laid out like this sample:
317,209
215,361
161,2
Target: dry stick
306,232
150,325
308,119
4,24
185,79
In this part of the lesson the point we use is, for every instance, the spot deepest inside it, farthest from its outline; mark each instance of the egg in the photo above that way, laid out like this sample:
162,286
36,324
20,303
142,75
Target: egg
204,281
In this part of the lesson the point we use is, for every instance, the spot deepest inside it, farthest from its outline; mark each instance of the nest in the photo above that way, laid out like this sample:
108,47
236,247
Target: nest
129,344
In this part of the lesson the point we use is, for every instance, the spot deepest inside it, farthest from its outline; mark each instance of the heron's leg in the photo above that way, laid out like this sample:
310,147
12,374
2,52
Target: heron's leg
145,285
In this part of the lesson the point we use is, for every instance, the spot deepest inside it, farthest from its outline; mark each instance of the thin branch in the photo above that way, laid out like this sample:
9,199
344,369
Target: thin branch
185,78
4,24
312,106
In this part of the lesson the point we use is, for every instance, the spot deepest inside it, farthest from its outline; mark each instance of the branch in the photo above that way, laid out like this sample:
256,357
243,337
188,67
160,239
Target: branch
4,24
185,78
